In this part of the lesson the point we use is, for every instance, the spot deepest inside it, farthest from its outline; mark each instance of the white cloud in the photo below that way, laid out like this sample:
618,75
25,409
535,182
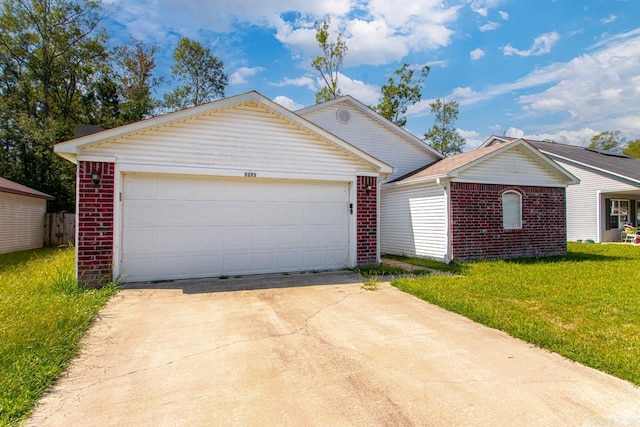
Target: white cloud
239,76
489,26
581,137
304,81
609,19
367,94
504,15
476,54
463,92
482,7
472,139
287,103
541,45
514,133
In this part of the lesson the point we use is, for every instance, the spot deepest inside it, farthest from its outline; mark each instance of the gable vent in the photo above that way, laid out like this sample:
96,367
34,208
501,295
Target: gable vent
343,116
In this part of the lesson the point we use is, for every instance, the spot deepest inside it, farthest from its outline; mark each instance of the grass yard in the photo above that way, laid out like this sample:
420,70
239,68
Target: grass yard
584,306
43,314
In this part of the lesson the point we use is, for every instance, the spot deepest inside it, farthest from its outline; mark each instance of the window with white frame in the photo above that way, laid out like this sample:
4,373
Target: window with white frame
619,213
511,210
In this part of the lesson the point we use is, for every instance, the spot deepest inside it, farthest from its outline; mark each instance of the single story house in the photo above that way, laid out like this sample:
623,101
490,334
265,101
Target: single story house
243,185
503,201
238,186
608,195
22,211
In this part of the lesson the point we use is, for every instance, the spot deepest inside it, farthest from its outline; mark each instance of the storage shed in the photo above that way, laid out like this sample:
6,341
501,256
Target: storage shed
22,211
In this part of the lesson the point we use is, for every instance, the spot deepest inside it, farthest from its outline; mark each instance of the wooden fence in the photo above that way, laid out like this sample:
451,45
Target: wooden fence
59,229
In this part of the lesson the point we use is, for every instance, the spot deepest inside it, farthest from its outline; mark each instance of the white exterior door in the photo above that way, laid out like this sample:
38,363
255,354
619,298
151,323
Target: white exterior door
176,226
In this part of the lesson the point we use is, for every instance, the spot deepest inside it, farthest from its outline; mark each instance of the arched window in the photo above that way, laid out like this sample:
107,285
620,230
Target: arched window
511,210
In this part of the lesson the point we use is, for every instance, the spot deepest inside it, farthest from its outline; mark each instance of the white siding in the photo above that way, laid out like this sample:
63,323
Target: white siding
245,137
517,166
21,222
582,202
413,221
373,138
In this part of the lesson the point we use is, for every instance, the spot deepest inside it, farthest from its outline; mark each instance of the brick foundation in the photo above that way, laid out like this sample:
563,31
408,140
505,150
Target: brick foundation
367,220
94,213
476,222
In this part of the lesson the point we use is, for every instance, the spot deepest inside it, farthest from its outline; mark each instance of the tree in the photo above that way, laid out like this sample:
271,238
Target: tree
397,97
608,141
137,62
632,149
51,52
443,136
201,76
329,63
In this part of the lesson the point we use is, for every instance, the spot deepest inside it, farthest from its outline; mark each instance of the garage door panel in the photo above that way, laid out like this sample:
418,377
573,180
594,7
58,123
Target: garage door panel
185,226
176,240
208,239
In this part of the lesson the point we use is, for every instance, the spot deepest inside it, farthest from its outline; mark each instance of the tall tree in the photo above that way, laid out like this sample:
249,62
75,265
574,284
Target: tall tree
137,62
633,149
608,141
200,74
328,64
397,97
50,53
443,136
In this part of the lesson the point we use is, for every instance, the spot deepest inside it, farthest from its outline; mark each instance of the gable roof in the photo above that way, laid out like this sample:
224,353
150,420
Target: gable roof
7,186
612,163
71,149
377,117
451,167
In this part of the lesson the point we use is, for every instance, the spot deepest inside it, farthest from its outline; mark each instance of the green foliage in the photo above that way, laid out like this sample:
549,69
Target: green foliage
584,306
43,314
50,54
397,97
443,136
608,141
137,62
632,149
452,267
201,76
328,64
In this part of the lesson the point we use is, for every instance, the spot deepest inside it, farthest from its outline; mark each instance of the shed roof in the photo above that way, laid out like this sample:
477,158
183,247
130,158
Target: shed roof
7,186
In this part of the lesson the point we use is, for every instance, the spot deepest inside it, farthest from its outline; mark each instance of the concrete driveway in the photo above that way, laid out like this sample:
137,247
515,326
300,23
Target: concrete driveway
316,349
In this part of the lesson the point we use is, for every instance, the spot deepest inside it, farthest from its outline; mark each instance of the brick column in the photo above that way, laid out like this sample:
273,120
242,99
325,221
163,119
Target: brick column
94,213
367,220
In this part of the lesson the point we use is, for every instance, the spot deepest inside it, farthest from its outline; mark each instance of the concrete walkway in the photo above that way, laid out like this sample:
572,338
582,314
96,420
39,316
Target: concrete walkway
316,349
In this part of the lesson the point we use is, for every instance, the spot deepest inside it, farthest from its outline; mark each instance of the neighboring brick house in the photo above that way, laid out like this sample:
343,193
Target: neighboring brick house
505,201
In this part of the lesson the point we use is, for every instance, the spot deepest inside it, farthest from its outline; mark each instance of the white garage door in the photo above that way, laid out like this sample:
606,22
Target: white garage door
183,226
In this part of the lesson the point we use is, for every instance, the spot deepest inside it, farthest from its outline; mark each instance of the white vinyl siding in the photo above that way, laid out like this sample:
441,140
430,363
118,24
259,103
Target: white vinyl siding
517,166
373,138
413,221
582,202
21,222
190,226
242,138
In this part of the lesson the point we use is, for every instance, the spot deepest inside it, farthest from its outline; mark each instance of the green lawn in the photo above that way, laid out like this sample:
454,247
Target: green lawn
43,314
584,306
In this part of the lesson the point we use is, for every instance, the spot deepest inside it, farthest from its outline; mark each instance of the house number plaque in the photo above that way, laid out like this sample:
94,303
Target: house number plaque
250,174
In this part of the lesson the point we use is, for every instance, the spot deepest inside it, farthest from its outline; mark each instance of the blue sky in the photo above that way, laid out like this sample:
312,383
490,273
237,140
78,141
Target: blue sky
559,69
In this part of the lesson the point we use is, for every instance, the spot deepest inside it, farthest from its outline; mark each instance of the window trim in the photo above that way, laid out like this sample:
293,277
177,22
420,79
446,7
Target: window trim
504,213
618,214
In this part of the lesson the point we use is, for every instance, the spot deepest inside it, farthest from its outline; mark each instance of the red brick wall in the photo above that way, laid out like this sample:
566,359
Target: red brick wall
476,222
367,221
94,213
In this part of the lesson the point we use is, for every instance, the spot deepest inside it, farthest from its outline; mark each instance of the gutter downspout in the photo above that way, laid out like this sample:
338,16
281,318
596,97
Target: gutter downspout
444,183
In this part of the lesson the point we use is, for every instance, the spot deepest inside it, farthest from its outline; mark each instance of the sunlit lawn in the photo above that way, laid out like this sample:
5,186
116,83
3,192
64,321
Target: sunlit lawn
585,306
43,314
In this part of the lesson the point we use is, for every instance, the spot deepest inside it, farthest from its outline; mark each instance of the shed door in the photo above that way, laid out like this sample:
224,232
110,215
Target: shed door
186,227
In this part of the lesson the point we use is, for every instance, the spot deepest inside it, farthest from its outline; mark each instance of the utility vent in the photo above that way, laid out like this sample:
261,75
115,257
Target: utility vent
343,116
